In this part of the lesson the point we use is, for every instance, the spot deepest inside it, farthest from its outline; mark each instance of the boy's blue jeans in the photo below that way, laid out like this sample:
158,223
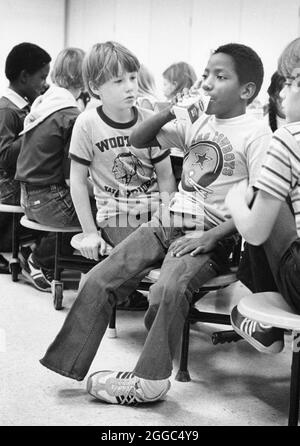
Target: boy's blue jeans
9,189
49,205
75,346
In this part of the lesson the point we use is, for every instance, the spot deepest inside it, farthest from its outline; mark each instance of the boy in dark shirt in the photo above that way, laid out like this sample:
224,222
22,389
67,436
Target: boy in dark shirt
26,68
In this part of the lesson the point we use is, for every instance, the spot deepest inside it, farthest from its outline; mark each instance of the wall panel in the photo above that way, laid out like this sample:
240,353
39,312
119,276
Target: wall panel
36,21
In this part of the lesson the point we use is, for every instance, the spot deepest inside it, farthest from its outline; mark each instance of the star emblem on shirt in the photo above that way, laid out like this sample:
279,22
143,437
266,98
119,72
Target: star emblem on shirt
201,159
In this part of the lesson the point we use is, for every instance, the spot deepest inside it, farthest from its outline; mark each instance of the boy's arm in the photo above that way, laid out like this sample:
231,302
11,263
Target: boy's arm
10,143
206,241
255,224
165,179
80,196
145,133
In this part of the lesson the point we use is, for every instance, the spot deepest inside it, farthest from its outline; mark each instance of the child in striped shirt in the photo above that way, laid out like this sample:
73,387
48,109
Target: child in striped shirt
279,181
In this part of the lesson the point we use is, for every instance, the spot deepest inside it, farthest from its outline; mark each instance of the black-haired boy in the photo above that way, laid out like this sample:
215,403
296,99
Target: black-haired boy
26,68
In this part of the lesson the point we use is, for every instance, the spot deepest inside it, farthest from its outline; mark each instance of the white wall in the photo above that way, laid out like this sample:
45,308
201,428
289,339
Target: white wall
161,32
37,21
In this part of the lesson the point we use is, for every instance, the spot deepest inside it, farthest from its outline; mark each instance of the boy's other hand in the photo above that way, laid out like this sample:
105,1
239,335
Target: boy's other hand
194,245
92,245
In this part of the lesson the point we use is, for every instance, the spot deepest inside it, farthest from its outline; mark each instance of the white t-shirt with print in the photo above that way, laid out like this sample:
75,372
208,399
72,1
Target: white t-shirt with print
123,176
217,154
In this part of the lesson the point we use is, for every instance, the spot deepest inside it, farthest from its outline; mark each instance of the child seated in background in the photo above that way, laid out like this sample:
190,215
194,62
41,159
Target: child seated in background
147,95
177,77
279,180
221,147
43,164
26,68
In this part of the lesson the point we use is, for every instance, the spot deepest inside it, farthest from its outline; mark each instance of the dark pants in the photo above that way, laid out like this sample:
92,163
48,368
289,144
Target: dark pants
10,194
50,205
283,252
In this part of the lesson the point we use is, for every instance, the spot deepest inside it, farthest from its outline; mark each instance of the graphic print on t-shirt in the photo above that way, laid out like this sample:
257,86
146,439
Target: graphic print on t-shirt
205,161
125,168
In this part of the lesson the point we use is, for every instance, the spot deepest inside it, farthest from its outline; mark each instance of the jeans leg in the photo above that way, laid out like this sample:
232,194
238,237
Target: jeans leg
170,297
75,346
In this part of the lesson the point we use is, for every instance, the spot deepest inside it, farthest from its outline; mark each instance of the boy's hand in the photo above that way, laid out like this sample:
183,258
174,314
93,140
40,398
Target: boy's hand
239,196
195,245
92,245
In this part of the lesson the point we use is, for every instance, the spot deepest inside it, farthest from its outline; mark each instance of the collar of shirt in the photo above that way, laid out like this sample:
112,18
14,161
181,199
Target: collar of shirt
15,98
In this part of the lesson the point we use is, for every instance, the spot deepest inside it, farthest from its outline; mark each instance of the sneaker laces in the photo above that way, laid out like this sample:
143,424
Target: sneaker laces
49,274
125,388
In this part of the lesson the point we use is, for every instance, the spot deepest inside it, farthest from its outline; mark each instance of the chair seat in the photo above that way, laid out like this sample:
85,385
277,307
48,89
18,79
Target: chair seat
220,281
37,226
270,308
11,208
77,239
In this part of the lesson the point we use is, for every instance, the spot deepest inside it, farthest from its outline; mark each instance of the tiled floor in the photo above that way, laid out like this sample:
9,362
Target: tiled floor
232,384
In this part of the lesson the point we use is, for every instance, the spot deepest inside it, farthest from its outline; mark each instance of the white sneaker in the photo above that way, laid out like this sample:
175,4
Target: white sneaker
119,388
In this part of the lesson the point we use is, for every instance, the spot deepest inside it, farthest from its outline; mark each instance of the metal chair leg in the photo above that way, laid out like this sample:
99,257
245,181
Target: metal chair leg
57,285
183,373
111,331
15,263
295,382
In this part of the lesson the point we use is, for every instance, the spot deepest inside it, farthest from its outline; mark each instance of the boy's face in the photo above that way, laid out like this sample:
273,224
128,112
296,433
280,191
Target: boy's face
221,83
35,83
290,95
119,92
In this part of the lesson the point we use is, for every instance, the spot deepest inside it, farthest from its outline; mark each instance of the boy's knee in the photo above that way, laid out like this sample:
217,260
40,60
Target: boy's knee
162,292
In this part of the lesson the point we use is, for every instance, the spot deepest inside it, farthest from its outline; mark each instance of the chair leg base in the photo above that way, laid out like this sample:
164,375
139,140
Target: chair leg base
111,333
183,376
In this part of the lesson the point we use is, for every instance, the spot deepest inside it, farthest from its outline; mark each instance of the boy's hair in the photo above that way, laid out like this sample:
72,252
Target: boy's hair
247,64
105,61
67,69
275,87
290,58
182,73
25,56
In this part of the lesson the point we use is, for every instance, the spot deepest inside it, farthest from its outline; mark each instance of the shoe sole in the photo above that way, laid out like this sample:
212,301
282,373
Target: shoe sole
257,345
29,278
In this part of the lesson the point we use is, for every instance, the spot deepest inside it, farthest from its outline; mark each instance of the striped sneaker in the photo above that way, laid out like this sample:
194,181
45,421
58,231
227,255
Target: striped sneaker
40,278
265,339
119,388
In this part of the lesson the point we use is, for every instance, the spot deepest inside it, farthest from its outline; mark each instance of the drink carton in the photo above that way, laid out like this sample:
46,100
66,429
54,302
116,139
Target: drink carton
190,108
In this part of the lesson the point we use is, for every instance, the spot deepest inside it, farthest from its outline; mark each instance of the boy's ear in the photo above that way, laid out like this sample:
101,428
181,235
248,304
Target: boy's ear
23,77
248,90
93,88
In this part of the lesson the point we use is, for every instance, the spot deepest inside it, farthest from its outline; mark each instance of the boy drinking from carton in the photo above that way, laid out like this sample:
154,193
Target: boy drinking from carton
221,147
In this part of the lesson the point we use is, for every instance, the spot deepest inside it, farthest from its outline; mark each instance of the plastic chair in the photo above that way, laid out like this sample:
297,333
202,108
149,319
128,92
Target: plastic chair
14,263
61,262
270,308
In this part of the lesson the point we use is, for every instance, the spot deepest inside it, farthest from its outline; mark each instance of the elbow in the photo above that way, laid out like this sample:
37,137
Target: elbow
135,140
255,239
